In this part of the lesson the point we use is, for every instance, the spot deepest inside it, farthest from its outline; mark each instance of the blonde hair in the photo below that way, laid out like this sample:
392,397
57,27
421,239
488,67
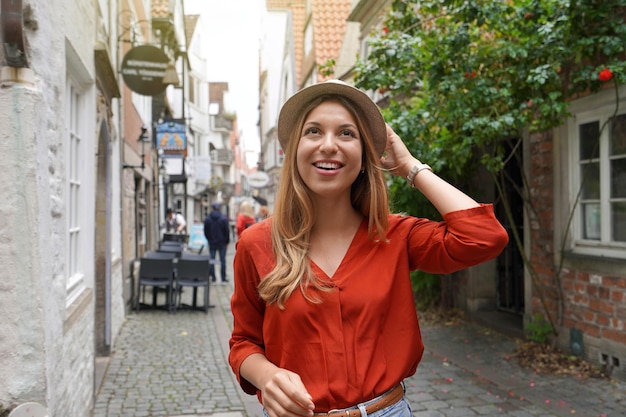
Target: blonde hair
293,216
246,209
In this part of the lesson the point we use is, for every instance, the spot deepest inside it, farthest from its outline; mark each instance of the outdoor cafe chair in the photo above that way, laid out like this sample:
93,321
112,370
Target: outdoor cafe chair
172,243
175,237
168,244
175,249
153,254
158,274
193,271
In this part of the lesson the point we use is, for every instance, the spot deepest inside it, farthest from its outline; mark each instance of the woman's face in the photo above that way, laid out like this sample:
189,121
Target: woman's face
329,154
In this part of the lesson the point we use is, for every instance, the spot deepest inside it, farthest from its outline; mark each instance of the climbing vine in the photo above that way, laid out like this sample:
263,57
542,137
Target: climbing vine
461,77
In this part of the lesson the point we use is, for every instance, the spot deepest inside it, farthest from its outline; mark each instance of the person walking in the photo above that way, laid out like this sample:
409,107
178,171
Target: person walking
324,317
217,233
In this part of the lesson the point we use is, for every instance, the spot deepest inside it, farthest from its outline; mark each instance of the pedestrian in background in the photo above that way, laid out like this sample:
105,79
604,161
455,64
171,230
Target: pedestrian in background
263,213
324,317
217,233
245,217
176,223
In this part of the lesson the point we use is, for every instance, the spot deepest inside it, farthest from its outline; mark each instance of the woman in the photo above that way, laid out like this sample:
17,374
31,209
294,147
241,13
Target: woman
245,218
324,318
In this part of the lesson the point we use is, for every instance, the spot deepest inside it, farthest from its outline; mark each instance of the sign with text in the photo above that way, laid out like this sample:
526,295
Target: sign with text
143,69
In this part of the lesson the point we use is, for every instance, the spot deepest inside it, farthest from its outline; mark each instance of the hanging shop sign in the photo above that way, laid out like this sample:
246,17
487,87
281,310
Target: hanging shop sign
258,179
143,69
171,137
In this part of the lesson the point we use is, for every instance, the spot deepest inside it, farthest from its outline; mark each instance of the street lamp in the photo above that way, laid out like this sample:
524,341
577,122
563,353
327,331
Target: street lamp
143,138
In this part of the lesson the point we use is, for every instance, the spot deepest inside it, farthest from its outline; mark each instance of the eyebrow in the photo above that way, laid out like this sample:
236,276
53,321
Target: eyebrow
342,126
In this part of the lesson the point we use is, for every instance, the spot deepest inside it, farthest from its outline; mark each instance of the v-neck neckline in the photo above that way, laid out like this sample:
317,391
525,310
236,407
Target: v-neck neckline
346,257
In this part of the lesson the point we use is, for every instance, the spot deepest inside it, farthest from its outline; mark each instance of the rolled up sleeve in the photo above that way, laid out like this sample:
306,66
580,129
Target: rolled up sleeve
463,239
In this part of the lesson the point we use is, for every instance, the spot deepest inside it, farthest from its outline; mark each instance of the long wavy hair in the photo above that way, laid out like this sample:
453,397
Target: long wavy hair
293,215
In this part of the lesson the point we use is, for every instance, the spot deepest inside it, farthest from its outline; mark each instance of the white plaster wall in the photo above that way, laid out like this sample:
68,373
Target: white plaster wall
45,357
22,368
74,371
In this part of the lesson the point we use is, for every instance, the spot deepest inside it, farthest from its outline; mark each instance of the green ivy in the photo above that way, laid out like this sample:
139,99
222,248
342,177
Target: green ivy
460,76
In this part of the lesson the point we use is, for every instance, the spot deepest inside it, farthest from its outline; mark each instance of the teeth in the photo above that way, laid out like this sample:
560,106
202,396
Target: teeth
327,165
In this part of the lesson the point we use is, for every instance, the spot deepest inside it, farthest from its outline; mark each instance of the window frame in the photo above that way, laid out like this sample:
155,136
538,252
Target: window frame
78,124
596,108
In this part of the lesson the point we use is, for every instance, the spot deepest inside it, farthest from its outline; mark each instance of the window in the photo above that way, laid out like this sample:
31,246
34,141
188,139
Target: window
78,198
192,89
598,156
74,141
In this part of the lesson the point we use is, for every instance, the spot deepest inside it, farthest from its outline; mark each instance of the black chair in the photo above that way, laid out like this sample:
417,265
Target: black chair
193,271
185,254
192,255
158,274
159,255
175,237
172,243
176,250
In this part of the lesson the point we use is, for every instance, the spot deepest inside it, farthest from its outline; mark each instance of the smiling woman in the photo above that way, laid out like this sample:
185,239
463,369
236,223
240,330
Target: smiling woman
323,300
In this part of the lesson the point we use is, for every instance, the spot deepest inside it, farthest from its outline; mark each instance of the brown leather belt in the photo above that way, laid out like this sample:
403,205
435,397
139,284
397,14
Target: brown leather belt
389,398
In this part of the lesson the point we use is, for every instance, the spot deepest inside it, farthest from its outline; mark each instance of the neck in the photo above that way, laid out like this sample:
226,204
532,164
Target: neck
335,217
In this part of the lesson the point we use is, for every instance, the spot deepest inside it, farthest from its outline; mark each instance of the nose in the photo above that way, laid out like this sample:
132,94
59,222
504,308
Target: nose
329,143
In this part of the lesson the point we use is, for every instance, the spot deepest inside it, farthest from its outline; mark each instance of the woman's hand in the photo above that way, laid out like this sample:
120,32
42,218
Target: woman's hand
397,160
284,395
282,391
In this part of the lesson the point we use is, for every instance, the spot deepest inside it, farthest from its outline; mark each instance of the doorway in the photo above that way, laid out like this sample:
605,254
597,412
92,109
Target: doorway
510,265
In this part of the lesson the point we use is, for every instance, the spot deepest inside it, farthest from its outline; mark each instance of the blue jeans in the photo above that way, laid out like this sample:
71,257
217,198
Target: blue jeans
222,252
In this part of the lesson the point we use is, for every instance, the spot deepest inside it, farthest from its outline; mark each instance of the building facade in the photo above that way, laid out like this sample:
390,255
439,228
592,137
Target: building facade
62,287
83,189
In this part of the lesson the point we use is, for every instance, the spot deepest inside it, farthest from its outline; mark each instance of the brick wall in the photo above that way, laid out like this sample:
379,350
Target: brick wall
594,295
541,223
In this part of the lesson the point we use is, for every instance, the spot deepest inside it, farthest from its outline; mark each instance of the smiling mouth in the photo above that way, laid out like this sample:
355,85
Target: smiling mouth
329,166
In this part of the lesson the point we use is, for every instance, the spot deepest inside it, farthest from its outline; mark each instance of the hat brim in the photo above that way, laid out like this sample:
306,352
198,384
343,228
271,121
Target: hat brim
293,107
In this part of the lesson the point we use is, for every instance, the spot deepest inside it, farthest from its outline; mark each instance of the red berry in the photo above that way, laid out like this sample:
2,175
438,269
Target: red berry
605,75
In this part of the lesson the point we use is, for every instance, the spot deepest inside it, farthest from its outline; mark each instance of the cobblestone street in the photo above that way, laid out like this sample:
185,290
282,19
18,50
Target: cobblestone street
176,365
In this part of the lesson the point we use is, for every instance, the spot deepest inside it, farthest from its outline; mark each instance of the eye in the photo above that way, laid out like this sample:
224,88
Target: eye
347,133
311,131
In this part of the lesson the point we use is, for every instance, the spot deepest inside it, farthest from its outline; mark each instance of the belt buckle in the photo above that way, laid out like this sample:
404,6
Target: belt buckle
338,411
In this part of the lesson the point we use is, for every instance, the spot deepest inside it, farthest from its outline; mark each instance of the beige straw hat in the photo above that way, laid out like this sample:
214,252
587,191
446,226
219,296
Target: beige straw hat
292,109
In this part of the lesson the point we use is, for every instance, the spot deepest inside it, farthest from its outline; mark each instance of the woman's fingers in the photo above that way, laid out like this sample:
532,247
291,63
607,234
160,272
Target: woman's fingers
286,396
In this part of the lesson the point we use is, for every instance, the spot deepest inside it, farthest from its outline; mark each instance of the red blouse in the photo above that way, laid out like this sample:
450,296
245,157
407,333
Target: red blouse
364,337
